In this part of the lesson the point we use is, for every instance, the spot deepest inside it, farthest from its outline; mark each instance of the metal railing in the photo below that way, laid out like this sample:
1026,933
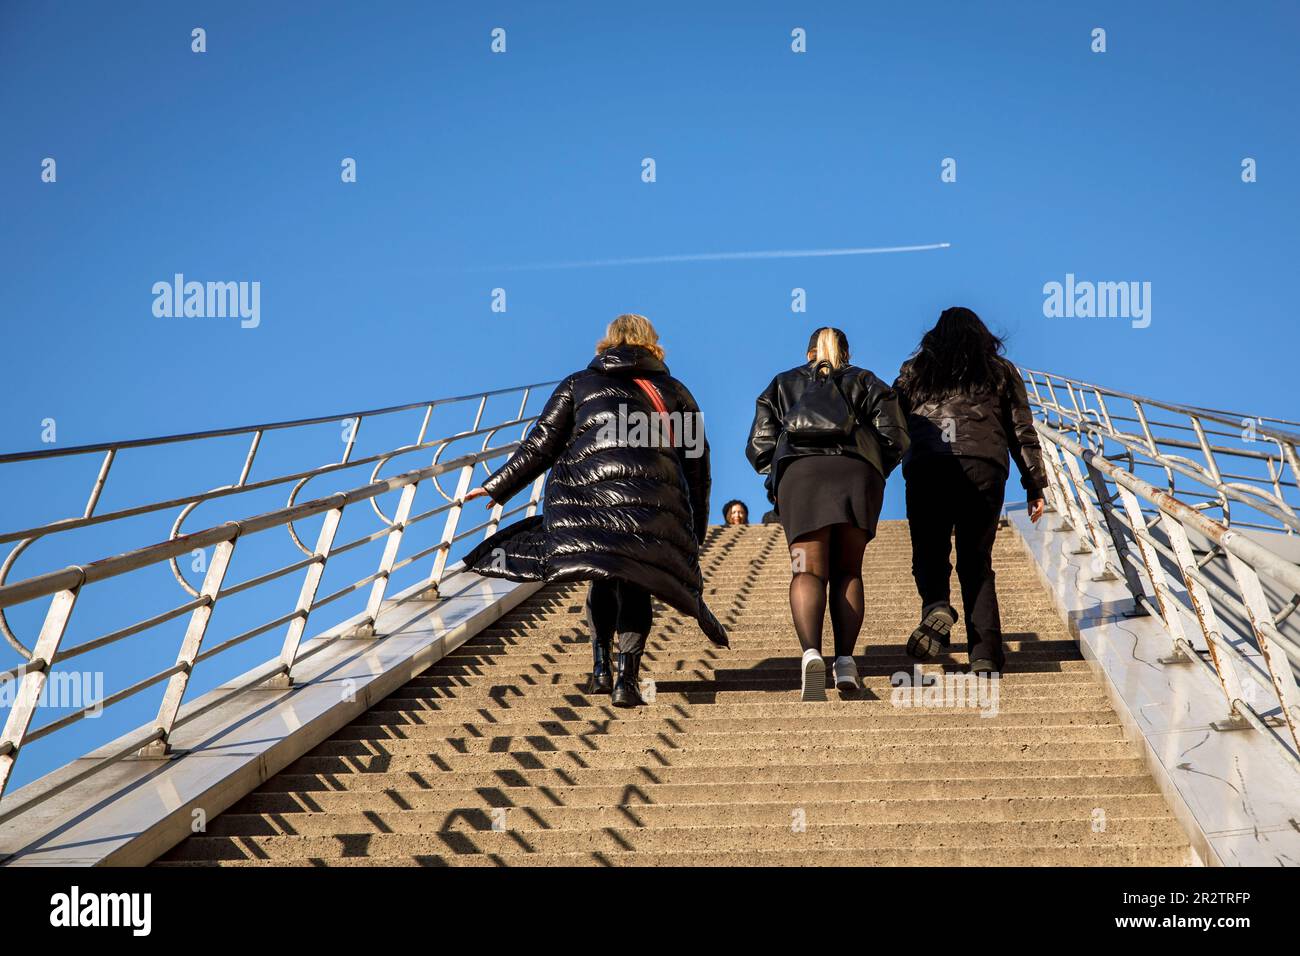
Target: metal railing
63,587
1195,510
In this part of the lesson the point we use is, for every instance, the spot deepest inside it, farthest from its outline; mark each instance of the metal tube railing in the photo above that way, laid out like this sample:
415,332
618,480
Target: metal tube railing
1074,439
62,587
1265,442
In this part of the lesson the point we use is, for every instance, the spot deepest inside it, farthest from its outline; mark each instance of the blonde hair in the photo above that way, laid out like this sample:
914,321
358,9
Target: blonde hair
829,345
631,329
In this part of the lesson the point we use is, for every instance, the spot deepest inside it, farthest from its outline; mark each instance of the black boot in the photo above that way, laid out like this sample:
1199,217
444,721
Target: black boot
602,680
931,636
627,691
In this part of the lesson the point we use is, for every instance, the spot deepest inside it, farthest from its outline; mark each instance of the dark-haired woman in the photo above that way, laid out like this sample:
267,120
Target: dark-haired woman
735,511
966,410
827,434
627,515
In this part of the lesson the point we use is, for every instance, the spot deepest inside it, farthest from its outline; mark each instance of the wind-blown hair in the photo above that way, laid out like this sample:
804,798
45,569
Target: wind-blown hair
959,356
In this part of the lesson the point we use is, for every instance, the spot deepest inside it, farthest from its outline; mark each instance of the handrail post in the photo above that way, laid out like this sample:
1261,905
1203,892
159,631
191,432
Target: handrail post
307,596
1275,659
1152,448
449,529
98,488
1052,466
536,496
1056,402
1106,503
1292,460
1092,521
1071,488
1105,412
190,647
1078,414
493,521
1064,501
29,691
391,545
1170,609
1212,466
1229,681
253,446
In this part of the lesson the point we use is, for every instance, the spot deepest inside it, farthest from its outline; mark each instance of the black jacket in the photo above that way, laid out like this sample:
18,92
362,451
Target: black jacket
984,426
617,505
880,438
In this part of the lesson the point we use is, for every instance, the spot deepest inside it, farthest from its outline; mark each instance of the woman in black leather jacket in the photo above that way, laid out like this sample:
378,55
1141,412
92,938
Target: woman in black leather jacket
966,410
827,434
627,500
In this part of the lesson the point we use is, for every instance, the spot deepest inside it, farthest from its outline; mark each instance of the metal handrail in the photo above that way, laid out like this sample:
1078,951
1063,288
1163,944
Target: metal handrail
267,427
1221,416
1113,510
1096,415
62,587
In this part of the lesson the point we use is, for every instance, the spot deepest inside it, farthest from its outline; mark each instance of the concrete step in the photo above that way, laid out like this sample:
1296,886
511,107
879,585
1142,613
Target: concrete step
1024,671
310,796
702,674
974,738
567,756
549,779
981,856
769,645
577,666
693,685
755,607
881,718
941,812
628,839
744,656
598,708
681,690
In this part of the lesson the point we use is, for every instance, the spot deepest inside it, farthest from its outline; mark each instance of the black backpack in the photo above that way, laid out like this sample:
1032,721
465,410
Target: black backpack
822,415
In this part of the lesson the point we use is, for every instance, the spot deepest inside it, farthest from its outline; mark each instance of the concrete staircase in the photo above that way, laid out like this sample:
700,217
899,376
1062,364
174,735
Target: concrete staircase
495,757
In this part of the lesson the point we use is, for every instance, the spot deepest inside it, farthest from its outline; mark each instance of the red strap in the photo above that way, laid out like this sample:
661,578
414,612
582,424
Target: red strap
657,401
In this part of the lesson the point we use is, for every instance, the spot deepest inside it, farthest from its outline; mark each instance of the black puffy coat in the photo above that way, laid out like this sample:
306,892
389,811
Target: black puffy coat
988,425
617,504
880,437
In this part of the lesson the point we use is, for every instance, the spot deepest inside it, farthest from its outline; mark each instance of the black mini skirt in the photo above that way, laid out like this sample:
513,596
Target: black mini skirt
819,490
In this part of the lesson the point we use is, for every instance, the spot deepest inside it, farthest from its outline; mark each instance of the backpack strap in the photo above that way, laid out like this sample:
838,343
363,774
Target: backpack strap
852,408
657,401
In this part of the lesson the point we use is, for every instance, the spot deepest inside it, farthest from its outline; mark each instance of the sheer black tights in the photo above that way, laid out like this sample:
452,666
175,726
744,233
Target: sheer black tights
828,560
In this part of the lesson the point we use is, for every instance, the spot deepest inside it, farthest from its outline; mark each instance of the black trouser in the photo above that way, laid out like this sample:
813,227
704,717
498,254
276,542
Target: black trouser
961,495
617,607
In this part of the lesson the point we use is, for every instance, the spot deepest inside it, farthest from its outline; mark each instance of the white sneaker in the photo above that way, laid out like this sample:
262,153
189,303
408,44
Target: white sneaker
846,675
814,676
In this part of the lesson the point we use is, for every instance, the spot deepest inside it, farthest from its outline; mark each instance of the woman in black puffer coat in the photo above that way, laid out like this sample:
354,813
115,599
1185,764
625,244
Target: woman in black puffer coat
626,504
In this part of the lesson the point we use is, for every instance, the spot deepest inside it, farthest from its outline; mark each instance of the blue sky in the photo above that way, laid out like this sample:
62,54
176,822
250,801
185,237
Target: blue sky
225,166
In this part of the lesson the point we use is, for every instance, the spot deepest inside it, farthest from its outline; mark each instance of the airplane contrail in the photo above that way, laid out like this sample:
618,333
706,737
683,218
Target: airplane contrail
721,256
